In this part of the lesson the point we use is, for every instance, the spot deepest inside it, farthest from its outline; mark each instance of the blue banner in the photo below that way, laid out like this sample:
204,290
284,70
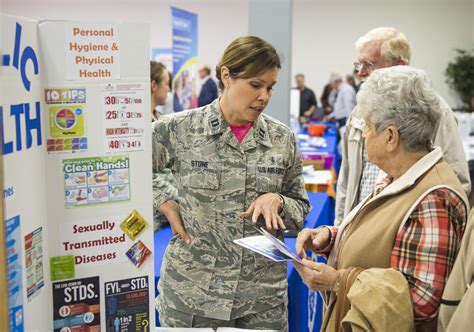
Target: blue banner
184,59
15,284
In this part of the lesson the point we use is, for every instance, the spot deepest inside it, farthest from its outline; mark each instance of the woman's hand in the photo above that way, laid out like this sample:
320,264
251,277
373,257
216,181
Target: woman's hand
172,212
312,239
268,206
318,276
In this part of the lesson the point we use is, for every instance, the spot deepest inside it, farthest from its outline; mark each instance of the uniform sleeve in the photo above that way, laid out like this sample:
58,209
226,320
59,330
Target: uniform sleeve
296,205
426,247
164,187
448,138
162,159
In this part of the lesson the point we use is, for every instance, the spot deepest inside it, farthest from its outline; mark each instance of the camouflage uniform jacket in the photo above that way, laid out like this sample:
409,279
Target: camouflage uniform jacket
218,178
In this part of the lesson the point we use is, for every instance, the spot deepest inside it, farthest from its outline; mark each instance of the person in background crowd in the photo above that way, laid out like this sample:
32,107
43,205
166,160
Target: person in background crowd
159,84
408,231
209,88
345,101
327,106
307,99
357,79
177,97
221,157
455,313
163,181
167,108
380,48
350,79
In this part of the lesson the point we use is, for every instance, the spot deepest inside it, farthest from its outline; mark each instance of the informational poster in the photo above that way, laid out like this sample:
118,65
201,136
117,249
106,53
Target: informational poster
126,305
93,242
92,51
96,180
14,270
67,119
76,305
185,61
124,117
34,262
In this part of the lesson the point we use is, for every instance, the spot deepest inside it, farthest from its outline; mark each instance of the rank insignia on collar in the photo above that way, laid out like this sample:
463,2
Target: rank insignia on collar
214,122
261,133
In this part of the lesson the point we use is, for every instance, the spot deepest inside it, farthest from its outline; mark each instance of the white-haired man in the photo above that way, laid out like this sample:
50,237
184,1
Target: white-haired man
380,48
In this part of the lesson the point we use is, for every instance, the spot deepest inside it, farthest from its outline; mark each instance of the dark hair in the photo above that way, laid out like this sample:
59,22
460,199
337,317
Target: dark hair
156,71
207,69
246,57
170,82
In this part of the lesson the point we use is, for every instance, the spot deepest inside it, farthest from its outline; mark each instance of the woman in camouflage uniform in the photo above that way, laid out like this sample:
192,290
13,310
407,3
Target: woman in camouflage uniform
231,162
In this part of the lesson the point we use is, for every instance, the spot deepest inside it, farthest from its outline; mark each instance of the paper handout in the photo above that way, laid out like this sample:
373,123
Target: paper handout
269,246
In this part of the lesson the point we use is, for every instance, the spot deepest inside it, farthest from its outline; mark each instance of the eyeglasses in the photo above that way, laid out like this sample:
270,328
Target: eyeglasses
368,65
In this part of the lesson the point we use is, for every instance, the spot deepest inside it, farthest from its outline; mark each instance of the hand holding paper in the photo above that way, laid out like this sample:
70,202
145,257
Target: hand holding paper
312,239
318,276
269,246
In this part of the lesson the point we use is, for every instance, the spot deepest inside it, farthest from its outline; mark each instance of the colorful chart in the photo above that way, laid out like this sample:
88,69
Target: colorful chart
65,118
66,121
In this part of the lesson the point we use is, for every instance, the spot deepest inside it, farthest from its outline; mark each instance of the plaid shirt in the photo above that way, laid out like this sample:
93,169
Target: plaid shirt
369,176
426,247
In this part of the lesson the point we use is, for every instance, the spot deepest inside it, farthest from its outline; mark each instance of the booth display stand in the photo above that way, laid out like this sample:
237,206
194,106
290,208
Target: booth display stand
77,166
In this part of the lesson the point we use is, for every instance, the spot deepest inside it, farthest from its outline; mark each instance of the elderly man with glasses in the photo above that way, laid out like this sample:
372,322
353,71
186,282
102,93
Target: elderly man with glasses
381,48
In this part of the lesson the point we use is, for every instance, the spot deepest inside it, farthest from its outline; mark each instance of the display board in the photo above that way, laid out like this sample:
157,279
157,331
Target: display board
24,161
77,156
4,310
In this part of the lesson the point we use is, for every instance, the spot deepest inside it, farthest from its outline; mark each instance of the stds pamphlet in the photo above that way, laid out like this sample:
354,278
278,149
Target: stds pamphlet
269,246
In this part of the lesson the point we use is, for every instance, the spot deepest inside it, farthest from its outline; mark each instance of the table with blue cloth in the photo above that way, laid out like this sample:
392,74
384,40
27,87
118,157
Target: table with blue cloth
304,310
304,305
330,135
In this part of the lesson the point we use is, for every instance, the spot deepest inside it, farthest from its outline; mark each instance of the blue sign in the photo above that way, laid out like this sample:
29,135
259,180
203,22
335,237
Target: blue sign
184,49
21,111
15,284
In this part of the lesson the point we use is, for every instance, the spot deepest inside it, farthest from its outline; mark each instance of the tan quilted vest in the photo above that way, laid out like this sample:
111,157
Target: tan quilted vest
370,237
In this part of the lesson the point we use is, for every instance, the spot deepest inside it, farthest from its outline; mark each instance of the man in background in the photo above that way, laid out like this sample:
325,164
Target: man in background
345,101
209,88
307,100
381,48
351,80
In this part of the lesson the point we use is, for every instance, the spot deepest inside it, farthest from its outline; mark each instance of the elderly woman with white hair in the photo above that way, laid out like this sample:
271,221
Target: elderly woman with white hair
389,260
